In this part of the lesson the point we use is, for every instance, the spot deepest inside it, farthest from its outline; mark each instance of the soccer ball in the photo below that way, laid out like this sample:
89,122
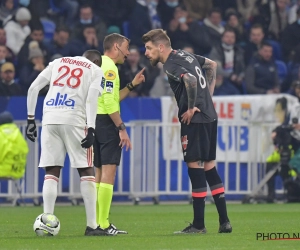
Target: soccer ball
46,225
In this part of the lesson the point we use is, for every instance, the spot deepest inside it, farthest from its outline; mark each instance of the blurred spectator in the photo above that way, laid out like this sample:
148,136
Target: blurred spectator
6,10
197,9
211,30
87,17
34,66
113,29
161,86
143,18
295,88
223,84
292,14
3,54
130,68
183,30
291,37
17,30
35,9
231,58
115,12
37,34
188,48
55,56
293,72
178,29
279,17
261,74
60,44
10,56
273,16
255,40
8,85
233,22
165,10
225,5
87,40
2,36
247,9
70,7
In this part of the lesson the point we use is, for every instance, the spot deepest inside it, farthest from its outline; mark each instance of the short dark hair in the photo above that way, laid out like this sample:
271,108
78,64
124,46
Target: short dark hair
110,39
155,36
37,26
266,44
62,28
228,29
181,6
93,55
257,26
85,6
134,47
214,10
87,26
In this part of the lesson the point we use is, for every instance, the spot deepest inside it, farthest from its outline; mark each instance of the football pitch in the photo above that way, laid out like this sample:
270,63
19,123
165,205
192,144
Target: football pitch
152,227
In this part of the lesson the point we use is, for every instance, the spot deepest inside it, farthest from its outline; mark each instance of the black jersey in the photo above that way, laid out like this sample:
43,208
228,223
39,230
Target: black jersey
178,63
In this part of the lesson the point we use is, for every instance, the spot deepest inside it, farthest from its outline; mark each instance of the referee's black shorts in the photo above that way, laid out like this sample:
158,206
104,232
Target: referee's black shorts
199,141
106,146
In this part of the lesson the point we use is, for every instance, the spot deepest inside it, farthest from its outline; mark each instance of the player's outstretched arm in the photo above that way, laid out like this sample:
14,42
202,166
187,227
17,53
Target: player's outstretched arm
210,69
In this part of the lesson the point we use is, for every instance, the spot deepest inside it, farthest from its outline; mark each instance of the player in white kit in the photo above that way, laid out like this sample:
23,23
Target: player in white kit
69,115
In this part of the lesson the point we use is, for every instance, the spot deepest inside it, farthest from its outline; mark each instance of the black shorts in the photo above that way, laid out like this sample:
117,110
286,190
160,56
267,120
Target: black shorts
106,146
199,141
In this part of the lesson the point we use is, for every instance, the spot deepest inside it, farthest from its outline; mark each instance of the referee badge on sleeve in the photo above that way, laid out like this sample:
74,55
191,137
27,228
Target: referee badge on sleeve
110,75
109,87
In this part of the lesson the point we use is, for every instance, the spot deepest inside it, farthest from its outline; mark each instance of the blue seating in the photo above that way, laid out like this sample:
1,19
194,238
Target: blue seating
277,53
282,70
126,29
54,8
49,29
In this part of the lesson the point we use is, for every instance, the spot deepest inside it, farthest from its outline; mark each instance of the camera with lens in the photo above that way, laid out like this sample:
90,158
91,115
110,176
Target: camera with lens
283,140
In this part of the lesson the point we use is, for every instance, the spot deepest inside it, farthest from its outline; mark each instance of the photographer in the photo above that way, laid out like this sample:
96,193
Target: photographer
286,139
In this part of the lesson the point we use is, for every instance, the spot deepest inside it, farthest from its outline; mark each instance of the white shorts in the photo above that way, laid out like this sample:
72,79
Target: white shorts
59,139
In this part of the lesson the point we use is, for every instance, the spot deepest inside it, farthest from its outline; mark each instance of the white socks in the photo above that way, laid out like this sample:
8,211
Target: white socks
89,195
49,193
88,192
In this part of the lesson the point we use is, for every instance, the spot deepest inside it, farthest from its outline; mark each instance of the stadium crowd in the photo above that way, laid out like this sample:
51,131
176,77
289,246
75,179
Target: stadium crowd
255,43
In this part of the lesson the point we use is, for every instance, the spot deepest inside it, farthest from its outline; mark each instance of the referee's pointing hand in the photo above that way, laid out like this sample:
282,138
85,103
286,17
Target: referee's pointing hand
139,78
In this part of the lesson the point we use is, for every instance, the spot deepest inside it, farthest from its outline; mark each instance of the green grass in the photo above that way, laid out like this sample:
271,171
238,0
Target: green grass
152,226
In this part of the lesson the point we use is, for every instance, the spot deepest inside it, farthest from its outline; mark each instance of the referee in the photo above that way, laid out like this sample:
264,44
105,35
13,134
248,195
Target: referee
110,133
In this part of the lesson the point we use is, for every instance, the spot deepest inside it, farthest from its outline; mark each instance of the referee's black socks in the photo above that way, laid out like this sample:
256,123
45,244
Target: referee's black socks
217,189
199,190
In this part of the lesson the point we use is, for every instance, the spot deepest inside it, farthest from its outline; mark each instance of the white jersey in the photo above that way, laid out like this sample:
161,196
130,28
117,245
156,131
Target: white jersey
70,79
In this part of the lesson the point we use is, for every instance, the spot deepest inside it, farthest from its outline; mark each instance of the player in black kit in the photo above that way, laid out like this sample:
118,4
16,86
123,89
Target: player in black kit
198,122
